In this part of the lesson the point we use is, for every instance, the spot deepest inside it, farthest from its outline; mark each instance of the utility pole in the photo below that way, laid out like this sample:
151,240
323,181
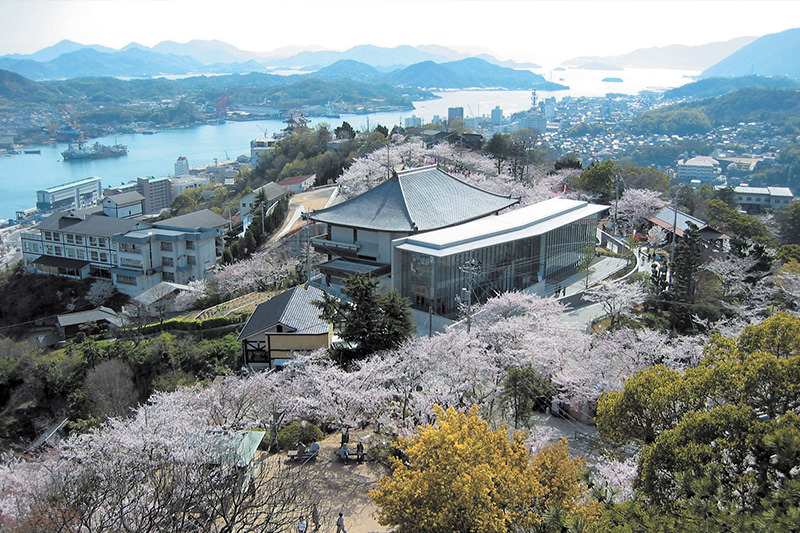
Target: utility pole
308,253
616,201
262,218
674,234
471,270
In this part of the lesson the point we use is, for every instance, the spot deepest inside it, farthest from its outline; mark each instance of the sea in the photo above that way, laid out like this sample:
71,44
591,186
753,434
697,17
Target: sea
23,174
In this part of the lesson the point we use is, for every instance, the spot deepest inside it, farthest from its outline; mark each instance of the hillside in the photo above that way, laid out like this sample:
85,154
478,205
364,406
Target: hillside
467,73
771,55
713,87
674,56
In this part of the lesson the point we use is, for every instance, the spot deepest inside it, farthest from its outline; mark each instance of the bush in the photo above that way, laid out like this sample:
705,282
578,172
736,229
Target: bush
297,432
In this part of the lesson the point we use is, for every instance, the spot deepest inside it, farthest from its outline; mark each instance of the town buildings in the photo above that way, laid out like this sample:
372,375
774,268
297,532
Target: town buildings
73,195
758,199
133,254
157,193
269,193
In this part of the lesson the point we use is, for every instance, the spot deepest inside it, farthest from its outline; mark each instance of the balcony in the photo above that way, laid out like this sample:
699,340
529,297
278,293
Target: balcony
343,249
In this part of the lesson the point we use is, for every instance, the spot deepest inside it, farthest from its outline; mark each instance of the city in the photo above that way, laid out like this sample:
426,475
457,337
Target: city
396,288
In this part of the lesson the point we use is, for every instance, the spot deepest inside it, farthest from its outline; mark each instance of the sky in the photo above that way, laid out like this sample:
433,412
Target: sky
547,32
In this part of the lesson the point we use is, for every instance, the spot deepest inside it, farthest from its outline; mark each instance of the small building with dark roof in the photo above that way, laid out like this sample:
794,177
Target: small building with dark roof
285,324
361,230
298,184
124,205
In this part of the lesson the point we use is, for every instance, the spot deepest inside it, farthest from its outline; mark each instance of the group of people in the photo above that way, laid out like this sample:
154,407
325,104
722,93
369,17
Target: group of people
344,451
312,450
302,525
560,290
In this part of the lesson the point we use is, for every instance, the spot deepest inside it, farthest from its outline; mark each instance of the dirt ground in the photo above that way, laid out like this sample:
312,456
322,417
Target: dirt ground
344,488
304,202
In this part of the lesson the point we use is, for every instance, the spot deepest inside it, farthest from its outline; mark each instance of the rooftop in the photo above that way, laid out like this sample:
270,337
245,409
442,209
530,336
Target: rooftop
291,309
529,221
125,198
295,180
420,199
192,221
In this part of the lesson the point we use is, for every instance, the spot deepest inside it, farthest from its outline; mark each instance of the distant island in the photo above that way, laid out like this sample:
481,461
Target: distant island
613,80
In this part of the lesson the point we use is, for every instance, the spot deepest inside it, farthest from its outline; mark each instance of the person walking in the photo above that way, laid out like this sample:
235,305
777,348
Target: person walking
301,525
315,517
340,524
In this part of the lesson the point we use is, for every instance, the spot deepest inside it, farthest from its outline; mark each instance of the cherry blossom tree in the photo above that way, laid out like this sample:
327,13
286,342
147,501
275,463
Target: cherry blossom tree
262,271
637,205
619,298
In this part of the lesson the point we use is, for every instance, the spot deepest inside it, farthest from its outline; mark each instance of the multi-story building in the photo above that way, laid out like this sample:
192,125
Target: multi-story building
270,193
181,166
125,205
157,193
415,230
133,254
757,199
701,168
74,195
454,113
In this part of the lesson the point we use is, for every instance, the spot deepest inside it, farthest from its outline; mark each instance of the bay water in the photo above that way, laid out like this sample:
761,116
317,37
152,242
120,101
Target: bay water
154,155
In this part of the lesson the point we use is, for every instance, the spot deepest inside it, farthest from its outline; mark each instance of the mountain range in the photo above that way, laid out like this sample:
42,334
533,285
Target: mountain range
675,56
775,54
429,65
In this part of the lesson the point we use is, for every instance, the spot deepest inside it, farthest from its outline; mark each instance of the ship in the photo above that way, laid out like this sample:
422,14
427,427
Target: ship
95,151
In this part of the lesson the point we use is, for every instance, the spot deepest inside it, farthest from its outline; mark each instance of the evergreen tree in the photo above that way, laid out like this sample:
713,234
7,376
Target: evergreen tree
370,322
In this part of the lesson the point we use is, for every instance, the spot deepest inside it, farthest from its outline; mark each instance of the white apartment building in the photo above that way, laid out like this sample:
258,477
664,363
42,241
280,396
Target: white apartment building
133,254
701,168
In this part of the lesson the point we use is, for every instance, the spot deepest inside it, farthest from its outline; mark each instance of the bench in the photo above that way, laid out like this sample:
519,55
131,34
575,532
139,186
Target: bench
351,455
309,455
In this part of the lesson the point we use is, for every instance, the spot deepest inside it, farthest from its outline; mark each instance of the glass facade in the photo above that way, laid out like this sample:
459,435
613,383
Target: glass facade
435,282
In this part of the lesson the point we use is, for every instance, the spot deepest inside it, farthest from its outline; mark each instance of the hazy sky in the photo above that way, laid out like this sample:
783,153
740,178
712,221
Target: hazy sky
536,30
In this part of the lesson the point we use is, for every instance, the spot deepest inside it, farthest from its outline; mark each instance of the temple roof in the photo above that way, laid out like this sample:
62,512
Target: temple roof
420,199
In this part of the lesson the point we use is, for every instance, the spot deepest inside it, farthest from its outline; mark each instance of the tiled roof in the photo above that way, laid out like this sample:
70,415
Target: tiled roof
666,217
271,190
294,180
97,225
292,309
199,219
125,198
420,199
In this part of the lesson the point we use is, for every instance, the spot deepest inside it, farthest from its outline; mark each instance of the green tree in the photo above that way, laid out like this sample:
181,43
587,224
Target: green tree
525,391
370,322
345,131
789,223
599,179
459,475
730,424
570,160
499,149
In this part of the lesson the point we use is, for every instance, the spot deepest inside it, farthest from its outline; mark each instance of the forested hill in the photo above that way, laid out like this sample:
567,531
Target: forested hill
778,107
713,87
255,88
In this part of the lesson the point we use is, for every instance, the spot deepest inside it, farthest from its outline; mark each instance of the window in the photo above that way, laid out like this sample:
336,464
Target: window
128,248
190,260
166,246
168,276
103,257
70,238
71,253
167,261
93,256
58,251
190,245
81,253
102,242
92,241
126,280
48,249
